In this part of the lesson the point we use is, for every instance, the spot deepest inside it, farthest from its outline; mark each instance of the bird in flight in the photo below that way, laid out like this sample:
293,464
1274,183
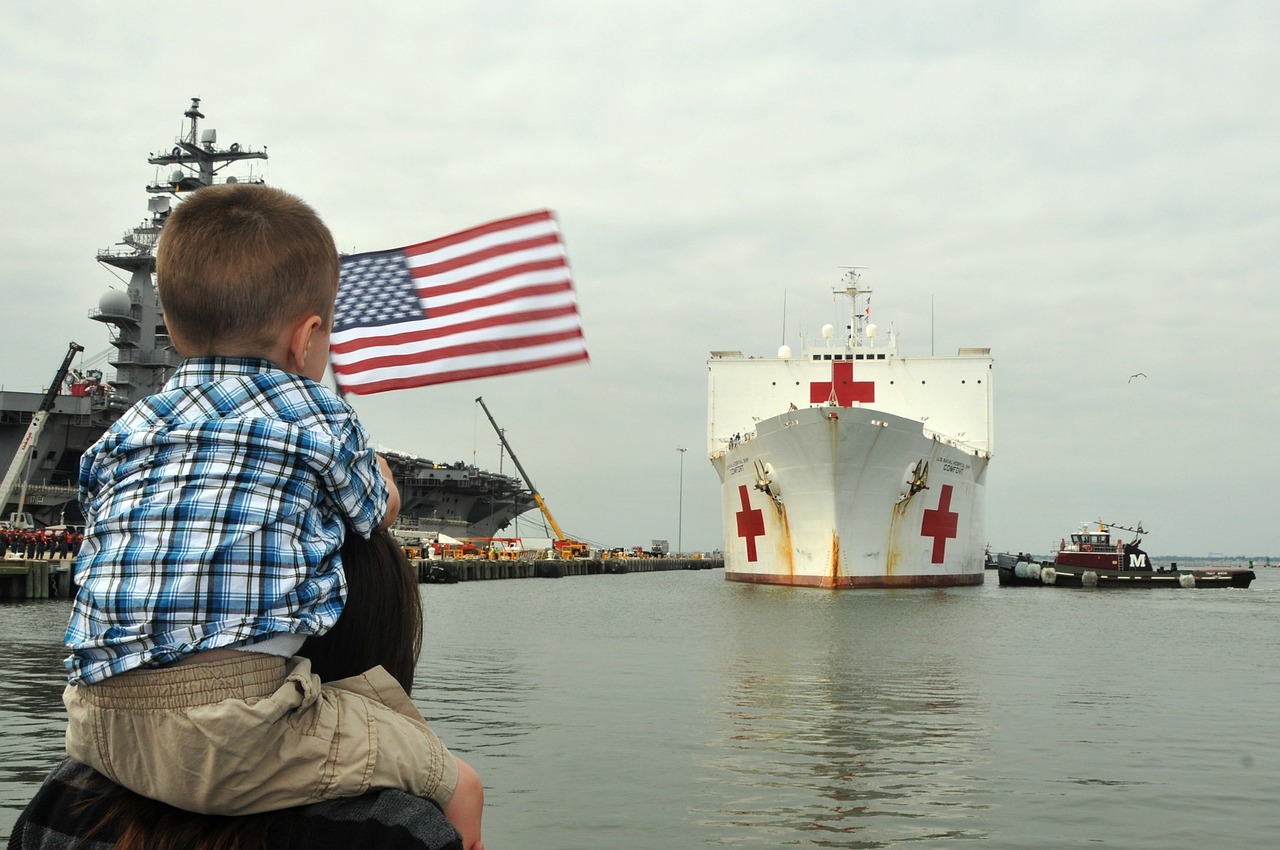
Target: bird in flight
1137,375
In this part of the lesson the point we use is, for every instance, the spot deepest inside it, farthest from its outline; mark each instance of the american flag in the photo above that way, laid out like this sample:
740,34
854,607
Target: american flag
491,300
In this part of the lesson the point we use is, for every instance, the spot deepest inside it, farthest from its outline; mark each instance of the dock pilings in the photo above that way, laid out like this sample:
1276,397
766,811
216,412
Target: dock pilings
52,579
449,571
30,578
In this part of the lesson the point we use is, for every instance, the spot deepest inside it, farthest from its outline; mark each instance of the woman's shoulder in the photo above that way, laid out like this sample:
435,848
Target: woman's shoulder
384,818
74,799
62,811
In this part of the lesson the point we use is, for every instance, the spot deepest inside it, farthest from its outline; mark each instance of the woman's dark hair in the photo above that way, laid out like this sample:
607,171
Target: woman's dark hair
381,623
382,620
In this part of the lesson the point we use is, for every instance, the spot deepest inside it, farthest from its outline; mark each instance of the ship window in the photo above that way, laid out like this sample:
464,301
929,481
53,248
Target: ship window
879,356
826,357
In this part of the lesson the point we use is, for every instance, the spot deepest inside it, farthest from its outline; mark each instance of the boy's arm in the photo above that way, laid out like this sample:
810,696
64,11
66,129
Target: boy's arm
466,805
393,494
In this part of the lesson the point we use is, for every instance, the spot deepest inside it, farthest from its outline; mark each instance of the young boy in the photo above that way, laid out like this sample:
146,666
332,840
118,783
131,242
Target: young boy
214,514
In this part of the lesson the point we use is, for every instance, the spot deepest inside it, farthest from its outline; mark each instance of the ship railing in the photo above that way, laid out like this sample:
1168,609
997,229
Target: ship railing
51,494
965,446
138,248
134,314
136,357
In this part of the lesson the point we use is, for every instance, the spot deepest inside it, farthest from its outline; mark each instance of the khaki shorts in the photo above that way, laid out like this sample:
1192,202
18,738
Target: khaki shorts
255,734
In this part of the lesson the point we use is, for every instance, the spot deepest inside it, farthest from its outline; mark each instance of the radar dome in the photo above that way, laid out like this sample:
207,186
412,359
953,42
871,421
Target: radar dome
828,331
872,330
784,352
114,303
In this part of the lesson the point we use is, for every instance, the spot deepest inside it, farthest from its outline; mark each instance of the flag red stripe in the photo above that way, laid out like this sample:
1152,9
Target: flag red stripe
421,335
453,263
461,350
426,288
482,230
411,381
440,311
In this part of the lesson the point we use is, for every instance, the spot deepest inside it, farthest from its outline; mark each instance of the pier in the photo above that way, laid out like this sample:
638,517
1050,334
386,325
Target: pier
52,578
29,578
446,571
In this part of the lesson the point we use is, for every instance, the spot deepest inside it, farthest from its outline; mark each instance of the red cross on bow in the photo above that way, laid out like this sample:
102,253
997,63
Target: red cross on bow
843,386
940,524
750,522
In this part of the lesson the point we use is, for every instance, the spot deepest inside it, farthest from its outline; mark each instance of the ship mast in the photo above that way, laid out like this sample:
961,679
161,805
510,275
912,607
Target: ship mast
859,316
144,357
199,158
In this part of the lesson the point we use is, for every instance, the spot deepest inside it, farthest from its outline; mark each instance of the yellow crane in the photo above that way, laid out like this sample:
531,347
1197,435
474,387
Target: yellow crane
566,546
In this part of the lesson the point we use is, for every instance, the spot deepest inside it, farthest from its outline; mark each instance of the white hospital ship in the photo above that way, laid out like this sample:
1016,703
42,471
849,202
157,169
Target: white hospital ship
851,466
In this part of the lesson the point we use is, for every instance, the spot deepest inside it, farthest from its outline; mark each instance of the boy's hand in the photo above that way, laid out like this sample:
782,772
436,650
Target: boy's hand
393,495
464,808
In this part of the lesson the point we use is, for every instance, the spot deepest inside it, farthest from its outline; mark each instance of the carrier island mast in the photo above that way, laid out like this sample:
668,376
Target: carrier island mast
144,357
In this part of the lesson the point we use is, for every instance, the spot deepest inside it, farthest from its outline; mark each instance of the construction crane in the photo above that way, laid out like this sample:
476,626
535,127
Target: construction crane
567,547
38,420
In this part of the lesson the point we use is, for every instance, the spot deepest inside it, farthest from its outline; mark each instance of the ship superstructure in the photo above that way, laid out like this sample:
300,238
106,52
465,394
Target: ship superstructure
457,499
850,465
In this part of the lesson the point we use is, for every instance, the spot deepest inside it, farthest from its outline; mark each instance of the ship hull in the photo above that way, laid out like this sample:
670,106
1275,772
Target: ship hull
846,512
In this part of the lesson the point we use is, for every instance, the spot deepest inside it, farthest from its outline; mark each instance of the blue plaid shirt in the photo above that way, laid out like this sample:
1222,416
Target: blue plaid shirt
214,513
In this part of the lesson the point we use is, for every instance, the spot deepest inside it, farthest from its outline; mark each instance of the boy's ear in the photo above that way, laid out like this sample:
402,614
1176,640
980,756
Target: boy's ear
302,345
177,340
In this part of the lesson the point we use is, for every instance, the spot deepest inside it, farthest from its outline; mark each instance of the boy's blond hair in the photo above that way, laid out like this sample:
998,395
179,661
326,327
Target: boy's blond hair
237,263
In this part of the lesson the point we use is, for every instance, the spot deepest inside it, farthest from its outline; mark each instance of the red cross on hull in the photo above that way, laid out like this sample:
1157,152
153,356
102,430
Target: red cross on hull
940,524
842,386
750,522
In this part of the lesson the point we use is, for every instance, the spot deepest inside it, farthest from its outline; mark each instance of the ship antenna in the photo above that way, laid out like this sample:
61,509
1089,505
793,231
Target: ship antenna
852,289
194,114
784,316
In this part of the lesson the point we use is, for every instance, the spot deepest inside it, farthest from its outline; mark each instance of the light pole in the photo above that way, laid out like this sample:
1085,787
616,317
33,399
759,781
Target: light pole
680,524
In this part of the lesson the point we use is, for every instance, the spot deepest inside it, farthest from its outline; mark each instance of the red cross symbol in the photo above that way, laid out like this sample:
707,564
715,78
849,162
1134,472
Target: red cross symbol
940,525
843,386
750,523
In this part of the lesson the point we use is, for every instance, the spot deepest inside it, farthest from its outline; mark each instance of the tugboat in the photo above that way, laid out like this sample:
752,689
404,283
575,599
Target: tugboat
1090,558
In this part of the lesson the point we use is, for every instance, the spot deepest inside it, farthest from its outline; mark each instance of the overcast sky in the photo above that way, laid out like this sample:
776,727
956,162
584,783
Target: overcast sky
1090,189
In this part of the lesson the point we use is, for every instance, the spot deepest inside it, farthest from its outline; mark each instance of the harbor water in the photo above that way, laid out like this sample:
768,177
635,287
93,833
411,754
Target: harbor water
676,710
